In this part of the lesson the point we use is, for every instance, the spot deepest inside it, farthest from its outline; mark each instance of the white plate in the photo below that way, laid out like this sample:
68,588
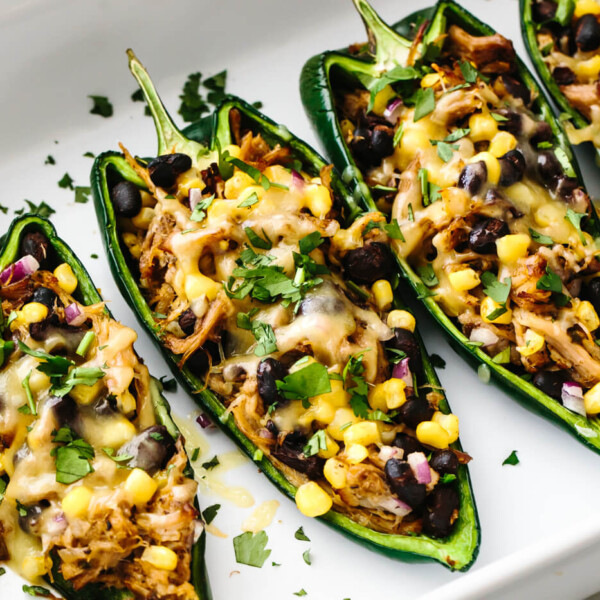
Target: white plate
539,519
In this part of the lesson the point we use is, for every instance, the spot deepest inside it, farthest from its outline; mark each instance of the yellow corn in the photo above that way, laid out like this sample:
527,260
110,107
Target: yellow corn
147,199
332,448
143,219
118,432
76,503
448,422
501,143
382,99
584,7
160,557
364,433
401,319
547,214
483,127
259,190
278,174
86,394
198,285
414,138
33,567
491,163
33,312
588,69
432,434
66,278
431,80
488,306
382,291
587,314
318,199
236,183
356,453
312,500
591,400
133,244
140,486
388,395
347,128
233,149
335,473
342,417
187,181
463,280
534,342
512,247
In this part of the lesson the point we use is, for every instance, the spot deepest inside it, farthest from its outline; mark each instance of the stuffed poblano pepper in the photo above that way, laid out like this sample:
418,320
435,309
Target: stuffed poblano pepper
97,494
282,323
446,131
563,39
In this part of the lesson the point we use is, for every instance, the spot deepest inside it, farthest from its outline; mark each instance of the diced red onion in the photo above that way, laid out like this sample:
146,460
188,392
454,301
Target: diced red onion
392,111
395,506
298,182
388,452
483,335
19,270
195,196
203,420
402,371
73,315
572,397
420,467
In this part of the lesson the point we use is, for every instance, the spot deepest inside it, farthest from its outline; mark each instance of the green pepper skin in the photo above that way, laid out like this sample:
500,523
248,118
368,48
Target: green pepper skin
456,552
317,97
87,294
528,31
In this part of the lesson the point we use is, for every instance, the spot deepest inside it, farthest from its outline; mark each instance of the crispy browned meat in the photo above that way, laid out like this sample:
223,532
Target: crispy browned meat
524,292
582,96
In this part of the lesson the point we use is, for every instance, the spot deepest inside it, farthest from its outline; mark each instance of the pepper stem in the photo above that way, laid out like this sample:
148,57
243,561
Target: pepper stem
170,139
390,49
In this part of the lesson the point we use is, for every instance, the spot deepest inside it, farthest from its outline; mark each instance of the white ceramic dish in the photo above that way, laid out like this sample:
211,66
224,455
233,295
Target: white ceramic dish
540,522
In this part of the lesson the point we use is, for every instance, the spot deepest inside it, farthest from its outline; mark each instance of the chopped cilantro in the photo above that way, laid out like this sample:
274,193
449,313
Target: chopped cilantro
210,512
199,212
2,571
411,214
444,150
302,592
306,557
43,209
89,155
309,242
538,237
251,171
300,535
102,106
437,361
72,459
493,288
393,230
250,549
137,96
448,478
398,135
544,145
2,489
37,590
94,255
470,73
305,383
265,336
195,454
511,459
427,275
211,464
82,194
77,376
551,282
256,240
118,458
249,201
424,103
30,400
575,219
6,347
498,117
193,105
316,442
168,385
3,209
50,160
502,357
66,182
456,135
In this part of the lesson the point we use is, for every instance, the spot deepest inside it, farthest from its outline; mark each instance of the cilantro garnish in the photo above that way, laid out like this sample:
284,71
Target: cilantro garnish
575,219
5,349
540,238
305,383
72,459
102,106
447,478
437,361
118,458
497,291
398,135
511,459
66,182
30,400
300,535
411,214
249,201
199,212
551,282
427,275
470,73
168,385
502,357
316,442
43,209
302,592
265,336
82,194
250,548
211,464
192,105
444,150
394,75
50,160
251,171
37,590
355,385
210,512
195,454
257,241
424,100
430,191
498,117
306,557
2,489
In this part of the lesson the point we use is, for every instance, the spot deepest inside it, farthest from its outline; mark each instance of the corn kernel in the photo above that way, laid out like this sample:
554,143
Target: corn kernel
465,279
318,199
198,285
143,219
278,174
347,128
356,453
160,557
584,7
312,500
382,291
126,402
33,312
491,163
188,181
340,421
587,314
233,149
483,127
388,395
432,434
502,143
534,342
512,247
147,199
140,486
591,400
86,394
118,432
364,433
332,448
430,80
449,423
413,140
382,99
76,503
588,69
401,319
335,473
33,567
236,183
259,190
66,278
547,214
488,306
133,244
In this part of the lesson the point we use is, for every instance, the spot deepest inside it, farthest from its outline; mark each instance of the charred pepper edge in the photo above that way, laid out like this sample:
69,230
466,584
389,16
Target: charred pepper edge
87,293
461,550
529,37
317,96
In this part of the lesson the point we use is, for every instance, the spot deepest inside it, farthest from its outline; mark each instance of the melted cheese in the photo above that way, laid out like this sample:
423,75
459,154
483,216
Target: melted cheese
262,516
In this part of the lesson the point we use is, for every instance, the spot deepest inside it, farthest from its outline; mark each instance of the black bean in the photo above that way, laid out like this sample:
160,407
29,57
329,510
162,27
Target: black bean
551,382
591,291
542,133
414,411
30,521
513,123
66,413
406,342
472,177
198,362
516,88
587,33
484,234
37,245
272,428
187,321
150,450
126,199
441,504
382,141
565,186
361,150
163,170
45,296
444,462
105,406
563,76
290,453
408,443
314,304
549,169
369,263
544,10
269,370
512,167
403,483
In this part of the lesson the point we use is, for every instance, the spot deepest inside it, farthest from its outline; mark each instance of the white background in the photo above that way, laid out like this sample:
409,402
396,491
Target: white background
53,54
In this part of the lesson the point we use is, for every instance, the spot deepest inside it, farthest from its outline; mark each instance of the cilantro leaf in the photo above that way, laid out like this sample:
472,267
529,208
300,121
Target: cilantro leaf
424,103
551,282
316,442
437,361
82,194
210,512
470,73
302,592
265,336
43,209
211,464
427,275
251,171
444,150
72,460
456,135
256,240
309,242
398,135
540,238
30,400
575,219
50,160
306,557
2,489
66,182
502,357
199,212
393,230
249,201
498,117
192,106
305,383
250,549
102,106
493,288
38,591
300,535
168,385
77,376
511,459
